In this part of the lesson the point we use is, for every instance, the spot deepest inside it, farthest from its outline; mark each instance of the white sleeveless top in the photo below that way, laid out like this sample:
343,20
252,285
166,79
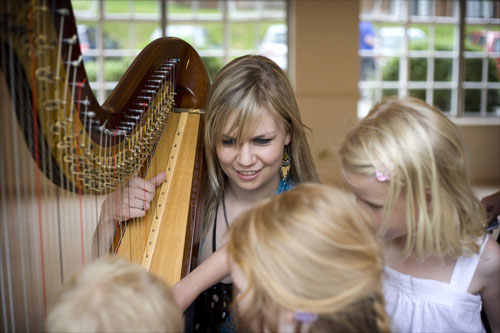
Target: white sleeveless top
424,305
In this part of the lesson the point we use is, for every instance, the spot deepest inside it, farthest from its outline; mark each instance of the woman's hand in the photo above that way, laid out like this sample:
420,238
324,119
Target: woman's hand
133,199
129,202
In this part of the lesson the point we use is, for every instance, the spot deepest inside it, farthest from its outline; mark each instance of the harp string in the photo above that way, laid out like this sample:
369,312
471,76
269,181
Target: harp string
53,180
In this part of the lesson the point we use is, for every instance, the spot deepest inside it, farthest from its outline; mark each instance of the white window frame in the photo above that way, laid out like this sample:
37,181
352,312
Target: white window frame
163,19
457,84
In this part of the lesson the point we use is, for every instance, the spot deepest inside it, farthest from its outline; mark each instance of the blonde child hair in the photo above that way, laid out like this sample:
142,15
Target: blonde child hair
422,153
243,89
310,251
114,295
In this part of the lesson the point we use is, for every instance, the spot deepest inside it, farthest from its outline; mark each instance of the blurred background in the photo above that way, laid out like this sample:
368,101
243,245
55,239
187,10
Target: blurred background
342,56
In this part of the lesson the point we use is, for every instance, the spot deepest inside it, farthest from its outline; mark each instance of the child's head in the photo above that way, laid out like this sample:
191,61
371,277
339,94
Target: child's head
307,255
114,295
407,166
242,92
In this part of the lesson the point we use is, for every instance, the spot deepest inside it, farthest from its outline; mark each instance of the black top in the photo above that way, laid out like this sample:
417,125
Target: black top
210,312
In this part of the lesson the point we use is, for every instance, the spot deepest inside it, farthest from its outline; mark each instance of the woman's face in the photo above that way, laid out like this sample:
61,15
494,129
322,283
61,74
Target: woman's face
253,165
371,196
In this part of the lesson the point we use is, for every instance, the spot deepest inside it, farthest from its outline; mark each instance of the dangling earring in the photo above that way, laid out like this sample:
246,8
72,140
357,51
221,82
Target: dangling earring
285,164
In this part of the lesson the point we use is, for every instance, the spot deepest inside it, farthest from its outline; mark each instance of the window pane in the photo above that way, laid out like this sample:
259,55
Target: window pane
390,69
389,92
418,37
151,7
117,35
115,68
473,69
84,7
493,101
442,99
443,69
213,36
472,100
444,38
144,33
179,9
213,65
418,93
475,37
418,69
244,36
91,70
116,7
494,70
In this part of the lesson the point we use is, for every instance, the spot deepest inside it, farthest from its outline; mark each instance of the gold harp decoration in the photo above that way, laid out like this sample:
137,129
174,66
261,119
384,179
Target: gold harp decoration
62,153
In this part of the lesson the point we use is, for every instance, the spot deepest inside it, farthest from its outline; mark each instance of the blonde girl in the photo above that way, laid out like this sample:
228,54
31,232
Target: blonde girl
307,261
406,164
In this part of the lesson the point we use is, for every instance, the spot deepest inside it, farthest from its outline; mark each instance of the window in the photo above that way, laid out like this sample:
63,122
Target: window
445,52
112,33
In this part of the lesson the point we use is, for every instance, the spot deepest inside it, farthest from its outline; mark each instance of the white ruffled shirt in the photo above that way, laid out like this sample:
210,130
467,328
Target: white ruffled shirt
424,305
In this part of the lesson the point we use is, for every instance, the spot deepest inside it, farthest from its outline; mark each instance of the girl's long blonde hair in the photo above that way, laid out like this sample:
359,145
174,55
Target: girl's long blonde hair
423,154
310,250
243,89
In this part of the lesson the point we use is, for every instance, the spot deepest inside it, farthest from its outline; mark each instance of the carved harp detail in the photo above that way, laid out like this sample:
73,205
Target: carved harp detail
62,152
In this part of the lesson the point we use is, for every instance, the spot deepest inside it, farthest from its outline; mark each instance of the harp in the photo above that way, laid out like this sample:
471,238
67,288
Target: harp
62,152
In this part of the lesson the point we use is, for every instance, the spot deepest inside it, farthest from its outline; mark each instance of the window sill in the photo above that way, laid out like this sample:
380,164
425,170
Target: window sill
476,121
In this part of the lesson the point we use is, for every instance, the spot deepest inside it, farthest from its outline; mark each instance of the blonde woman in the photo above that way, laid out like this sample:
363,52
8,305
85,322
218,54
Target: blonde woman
307,261
255,147
114,295
406,164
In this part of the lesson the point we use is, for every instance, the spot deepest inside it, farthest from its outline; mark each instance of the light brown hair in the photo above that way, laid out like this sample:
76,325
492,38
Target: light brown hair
114,295
310,250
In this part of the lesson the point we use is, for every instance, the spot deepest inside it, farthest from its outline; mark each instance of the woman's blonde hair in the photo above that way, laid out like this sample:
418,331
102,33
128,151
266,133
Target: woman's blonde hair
244,88
114,295
423,154
310,250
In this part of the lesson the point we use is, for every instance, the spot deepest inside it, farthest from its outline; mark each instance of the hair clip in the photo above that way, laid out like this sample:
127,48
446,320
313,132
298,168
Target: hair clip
305,317
383,174
381,177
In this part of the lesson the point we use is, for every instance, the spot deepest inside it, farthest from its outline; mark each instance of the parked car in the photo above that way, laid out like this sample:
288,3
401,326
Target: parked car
391,38
192,34
274,45
88,40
